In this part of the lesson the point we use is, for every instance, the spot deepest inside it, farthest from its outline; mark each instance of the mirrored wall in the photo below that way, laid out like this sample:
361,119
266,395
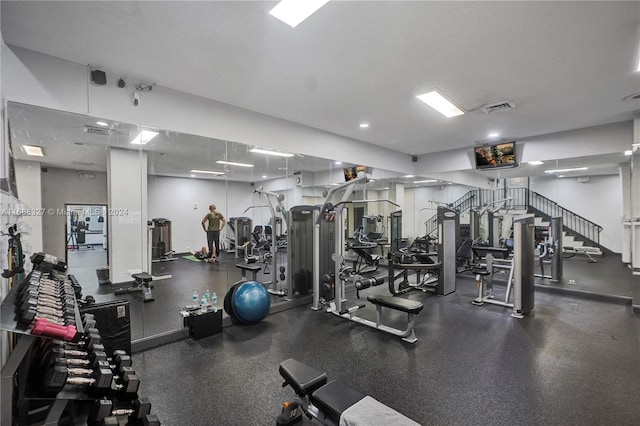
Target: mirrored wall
121,198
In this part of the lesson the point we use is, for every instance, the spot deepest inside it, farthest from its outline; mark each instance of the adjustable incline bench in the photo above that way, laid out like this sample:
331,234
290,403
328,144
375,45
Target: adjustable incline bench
333,403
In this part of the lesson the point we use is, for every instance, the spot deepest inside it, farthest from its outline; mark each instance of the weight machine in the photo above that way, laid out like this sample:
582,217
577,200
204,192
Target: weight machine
338,305
274,202
520,267
550,251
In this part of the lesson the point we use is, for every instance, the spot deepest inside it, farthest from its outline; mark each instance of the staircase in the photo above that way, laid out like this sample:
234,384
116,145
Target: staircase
580,235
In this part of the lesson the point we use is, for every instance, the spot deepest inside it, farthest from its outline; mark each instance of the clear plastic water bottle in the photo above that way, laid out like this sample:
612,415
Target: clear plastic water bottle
203,305
207,295
196,298
214,302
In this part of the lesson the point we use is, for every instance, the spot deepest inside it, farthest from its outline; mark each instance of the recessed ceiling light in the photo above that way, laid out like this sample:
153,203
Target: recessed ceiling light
209,172
536,162
102,123
438,102
560,176
292,12
144,137
372,180
231,163
267,152
364,125
425,181
628,152
34,151
575,169
264,176
408,176
338,162
494,135
449,183
334,184
192,175
386,187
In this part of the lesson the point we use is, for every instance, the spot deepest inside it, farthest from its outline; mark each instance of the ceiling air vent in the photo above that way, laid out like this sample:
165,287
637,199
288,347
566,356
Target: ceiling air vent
498,106
98,130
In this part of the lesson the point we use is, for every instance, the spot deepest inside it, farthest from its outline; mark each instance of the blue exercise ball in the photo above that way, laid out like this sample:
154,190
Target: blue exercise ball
251,302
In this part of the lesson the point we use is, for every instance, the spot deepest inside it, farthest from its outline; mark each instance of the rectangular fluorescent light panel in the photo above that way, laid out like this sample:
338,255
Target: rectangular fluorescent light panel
425,181
292,12
628,152
144,137
438,102
231,163
576,169
267,152
210,172
34,151
536,163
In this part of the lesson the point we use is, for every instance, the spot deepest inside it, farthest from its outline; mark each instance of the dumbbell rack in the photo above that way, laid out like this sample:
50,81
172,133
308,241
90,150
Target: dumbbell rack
21,384
19,362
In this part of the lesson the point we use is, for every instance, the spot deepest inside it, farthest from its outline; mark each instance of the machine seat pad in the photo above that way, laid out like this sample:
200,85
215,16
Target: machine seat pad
334,398
248,267
397,303
418,266
142,277
302,378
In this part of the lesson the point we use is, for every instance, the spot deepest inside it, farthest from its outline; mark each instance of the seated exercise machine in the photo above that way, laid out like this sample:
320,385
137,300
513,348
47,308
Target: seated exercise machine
430,276
277,285
338,305
520,268
366,261
333,403
550,251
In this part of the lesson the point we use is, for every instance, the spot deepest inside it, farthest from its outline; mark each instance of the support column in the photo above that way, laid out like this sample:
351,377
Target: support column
635,216
127,213
625,185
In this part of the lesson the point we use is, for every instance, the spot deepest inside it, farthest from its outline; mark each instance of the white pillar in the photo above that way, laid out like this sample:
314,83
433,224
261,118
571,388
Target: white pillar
127,213
635,216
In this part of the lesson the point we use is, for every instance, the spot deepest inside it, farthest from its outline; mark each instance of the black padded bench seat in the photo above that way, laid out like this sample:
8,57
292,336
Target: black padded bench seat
302,378
417,266
254,269
334,398
397,303
248,267
142,277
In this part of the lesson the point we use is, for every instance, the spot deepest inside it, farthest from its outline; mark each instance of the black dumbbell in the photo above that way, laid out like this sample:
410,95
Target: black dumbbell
60,376
104,408
151,420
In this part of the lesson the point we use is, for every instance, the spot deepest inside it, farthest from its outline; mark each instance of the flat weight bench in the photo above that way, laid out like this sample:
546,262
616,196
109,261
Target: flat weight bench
254,269
142,284
333,403
411,307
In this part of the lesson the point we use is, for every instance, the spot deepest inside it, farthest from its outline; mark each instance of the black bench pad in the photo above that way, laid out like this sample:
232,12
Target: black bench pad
397,303
142,277
334,398
417,266
246,267
302,378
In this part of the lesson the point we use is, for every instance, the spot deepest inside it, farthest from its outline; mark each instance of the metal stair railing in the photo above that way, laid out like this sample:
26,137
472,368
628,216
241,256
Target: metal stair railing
526,199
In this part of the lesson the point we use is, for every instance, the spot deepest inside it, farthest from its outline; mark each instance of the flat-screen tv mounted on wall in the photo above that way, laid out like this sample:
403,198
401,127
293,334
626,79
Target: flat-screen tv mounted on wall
351,173
496,156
